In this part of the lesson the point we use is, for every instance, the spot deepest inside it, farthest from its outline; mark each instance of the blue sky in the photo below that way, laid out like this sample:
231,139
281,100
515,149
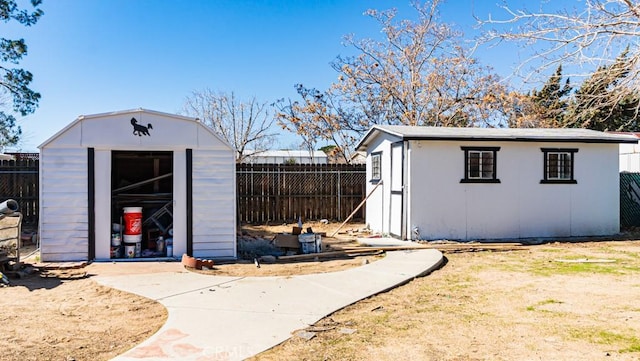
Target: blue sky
95,56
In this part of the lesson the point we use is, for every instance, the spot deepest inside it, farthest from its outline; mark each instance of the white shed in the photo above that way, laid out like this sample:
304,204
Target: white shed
482,183
179,171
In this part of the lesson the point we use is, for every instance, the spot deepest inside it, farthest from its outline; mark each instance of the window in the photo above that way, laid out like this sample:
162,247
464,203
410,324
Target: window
480,165
558,165
376,170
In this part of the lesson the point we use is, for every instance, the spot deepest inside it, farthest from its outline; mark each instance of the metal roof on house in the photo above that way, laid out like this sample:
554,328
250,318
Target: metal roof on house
572,135
287,153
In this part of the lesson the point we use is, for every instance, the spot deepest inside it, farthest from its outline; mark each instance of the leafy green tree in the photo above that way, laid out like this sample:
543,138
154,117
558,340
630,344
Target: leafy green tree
14,82
601,104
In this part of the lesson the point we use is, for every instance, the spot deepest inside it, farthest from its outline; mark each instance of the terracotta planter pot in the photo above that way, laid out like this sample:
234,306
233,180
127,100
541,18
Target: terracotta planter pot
188,261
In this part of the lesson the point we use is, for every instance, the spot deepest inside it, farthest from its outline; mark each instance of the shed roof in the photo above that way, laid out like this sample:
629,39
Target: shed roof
571,135
130,111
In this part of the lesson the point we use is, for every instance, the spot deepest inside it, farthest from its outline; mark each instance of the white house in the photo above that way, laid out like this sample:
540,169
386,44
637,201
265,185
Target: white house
481,183
180,172
630,156
286,157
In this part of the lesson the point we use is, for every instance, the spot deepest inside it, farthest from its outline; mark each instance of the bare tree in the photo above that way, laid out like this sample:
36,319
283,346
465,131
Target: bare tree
245,125
318,115
418,74
584,38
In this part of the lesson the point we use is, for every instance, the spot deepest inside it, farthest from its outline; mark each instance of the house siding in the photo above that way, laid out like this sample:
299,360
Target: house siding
519,206
630,158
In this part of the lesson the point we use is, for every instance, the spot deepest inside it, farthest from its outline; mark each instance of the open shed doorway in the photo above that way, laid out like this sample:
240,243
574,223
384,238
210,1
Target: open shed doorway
141,179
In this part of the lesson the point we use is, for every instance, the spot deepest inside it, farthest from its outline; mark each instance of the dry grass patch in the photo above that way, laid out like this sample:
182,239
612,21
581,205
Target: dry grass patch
516,305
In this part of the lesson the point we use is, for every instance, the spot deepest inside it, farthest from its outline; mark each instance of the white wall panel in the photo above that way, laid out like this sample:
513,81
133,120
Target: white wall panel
378,205
214,205
517,207
63,204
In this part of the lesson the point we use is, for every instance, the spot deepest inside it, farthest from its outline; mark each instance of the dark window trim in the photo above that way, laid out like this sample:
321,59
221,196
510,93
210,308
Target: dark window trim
374,179
545,174
466,178
91,203
189,170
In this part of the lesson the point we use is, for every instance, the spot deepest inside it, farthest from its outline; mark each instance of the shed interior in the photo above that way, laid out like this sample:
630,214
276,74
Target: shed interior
141,179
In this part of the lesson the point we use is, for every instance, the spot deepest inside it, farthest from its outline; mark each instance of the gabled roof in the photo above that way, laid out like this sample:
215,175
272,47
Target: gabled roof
570,135
129,111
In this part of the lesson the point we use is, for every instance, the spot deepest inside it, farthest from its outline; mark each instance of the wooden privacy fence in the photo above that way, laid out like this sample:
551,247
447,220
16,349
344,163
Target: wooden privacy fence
19,181
283,192
265,192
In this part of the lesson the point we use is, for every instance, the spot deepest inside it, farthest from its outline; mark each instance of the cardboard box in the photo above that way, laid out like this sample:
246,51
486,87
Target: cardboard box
284,240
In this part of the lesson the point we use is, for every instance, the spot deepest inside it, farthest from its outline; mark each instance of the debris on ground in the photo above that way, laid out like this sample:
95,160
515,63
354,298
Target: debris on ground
268,259
305,334
347,331
251,247
197,263
4,281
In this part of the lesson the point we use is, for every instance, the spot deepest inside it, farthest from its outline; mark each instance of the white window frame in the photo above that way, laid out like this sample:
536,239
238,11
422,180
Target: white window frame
376,166
486,172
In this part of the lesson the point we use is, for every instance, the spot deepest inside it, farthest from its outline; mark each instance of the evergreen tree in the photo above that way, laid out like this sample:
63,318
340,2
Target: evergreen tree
544,108
602,104
14,82
551,102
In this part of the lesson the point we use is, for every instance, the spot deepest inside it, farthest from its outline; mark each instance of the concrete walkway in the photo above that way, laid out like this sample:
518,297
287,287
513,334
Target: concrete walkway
232,318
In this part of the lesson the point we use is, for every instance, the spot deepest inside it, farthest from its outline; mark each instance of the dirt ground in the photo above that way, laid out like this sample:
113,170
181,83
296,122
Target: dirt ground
560,301
64,315
563,301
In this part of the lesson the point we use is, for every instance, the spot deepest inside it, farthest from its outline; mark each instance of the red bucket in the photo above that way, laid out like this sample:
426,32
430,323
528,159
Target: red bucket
132,220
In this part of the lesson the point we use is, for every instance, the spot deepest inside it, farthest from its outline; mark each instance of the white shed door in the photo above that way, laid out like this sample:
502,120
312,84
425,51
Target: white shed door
396,199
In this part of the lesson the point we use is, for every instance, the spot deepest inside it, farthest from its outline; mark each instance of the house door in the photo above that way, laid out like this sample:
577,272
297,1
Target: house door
396,214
